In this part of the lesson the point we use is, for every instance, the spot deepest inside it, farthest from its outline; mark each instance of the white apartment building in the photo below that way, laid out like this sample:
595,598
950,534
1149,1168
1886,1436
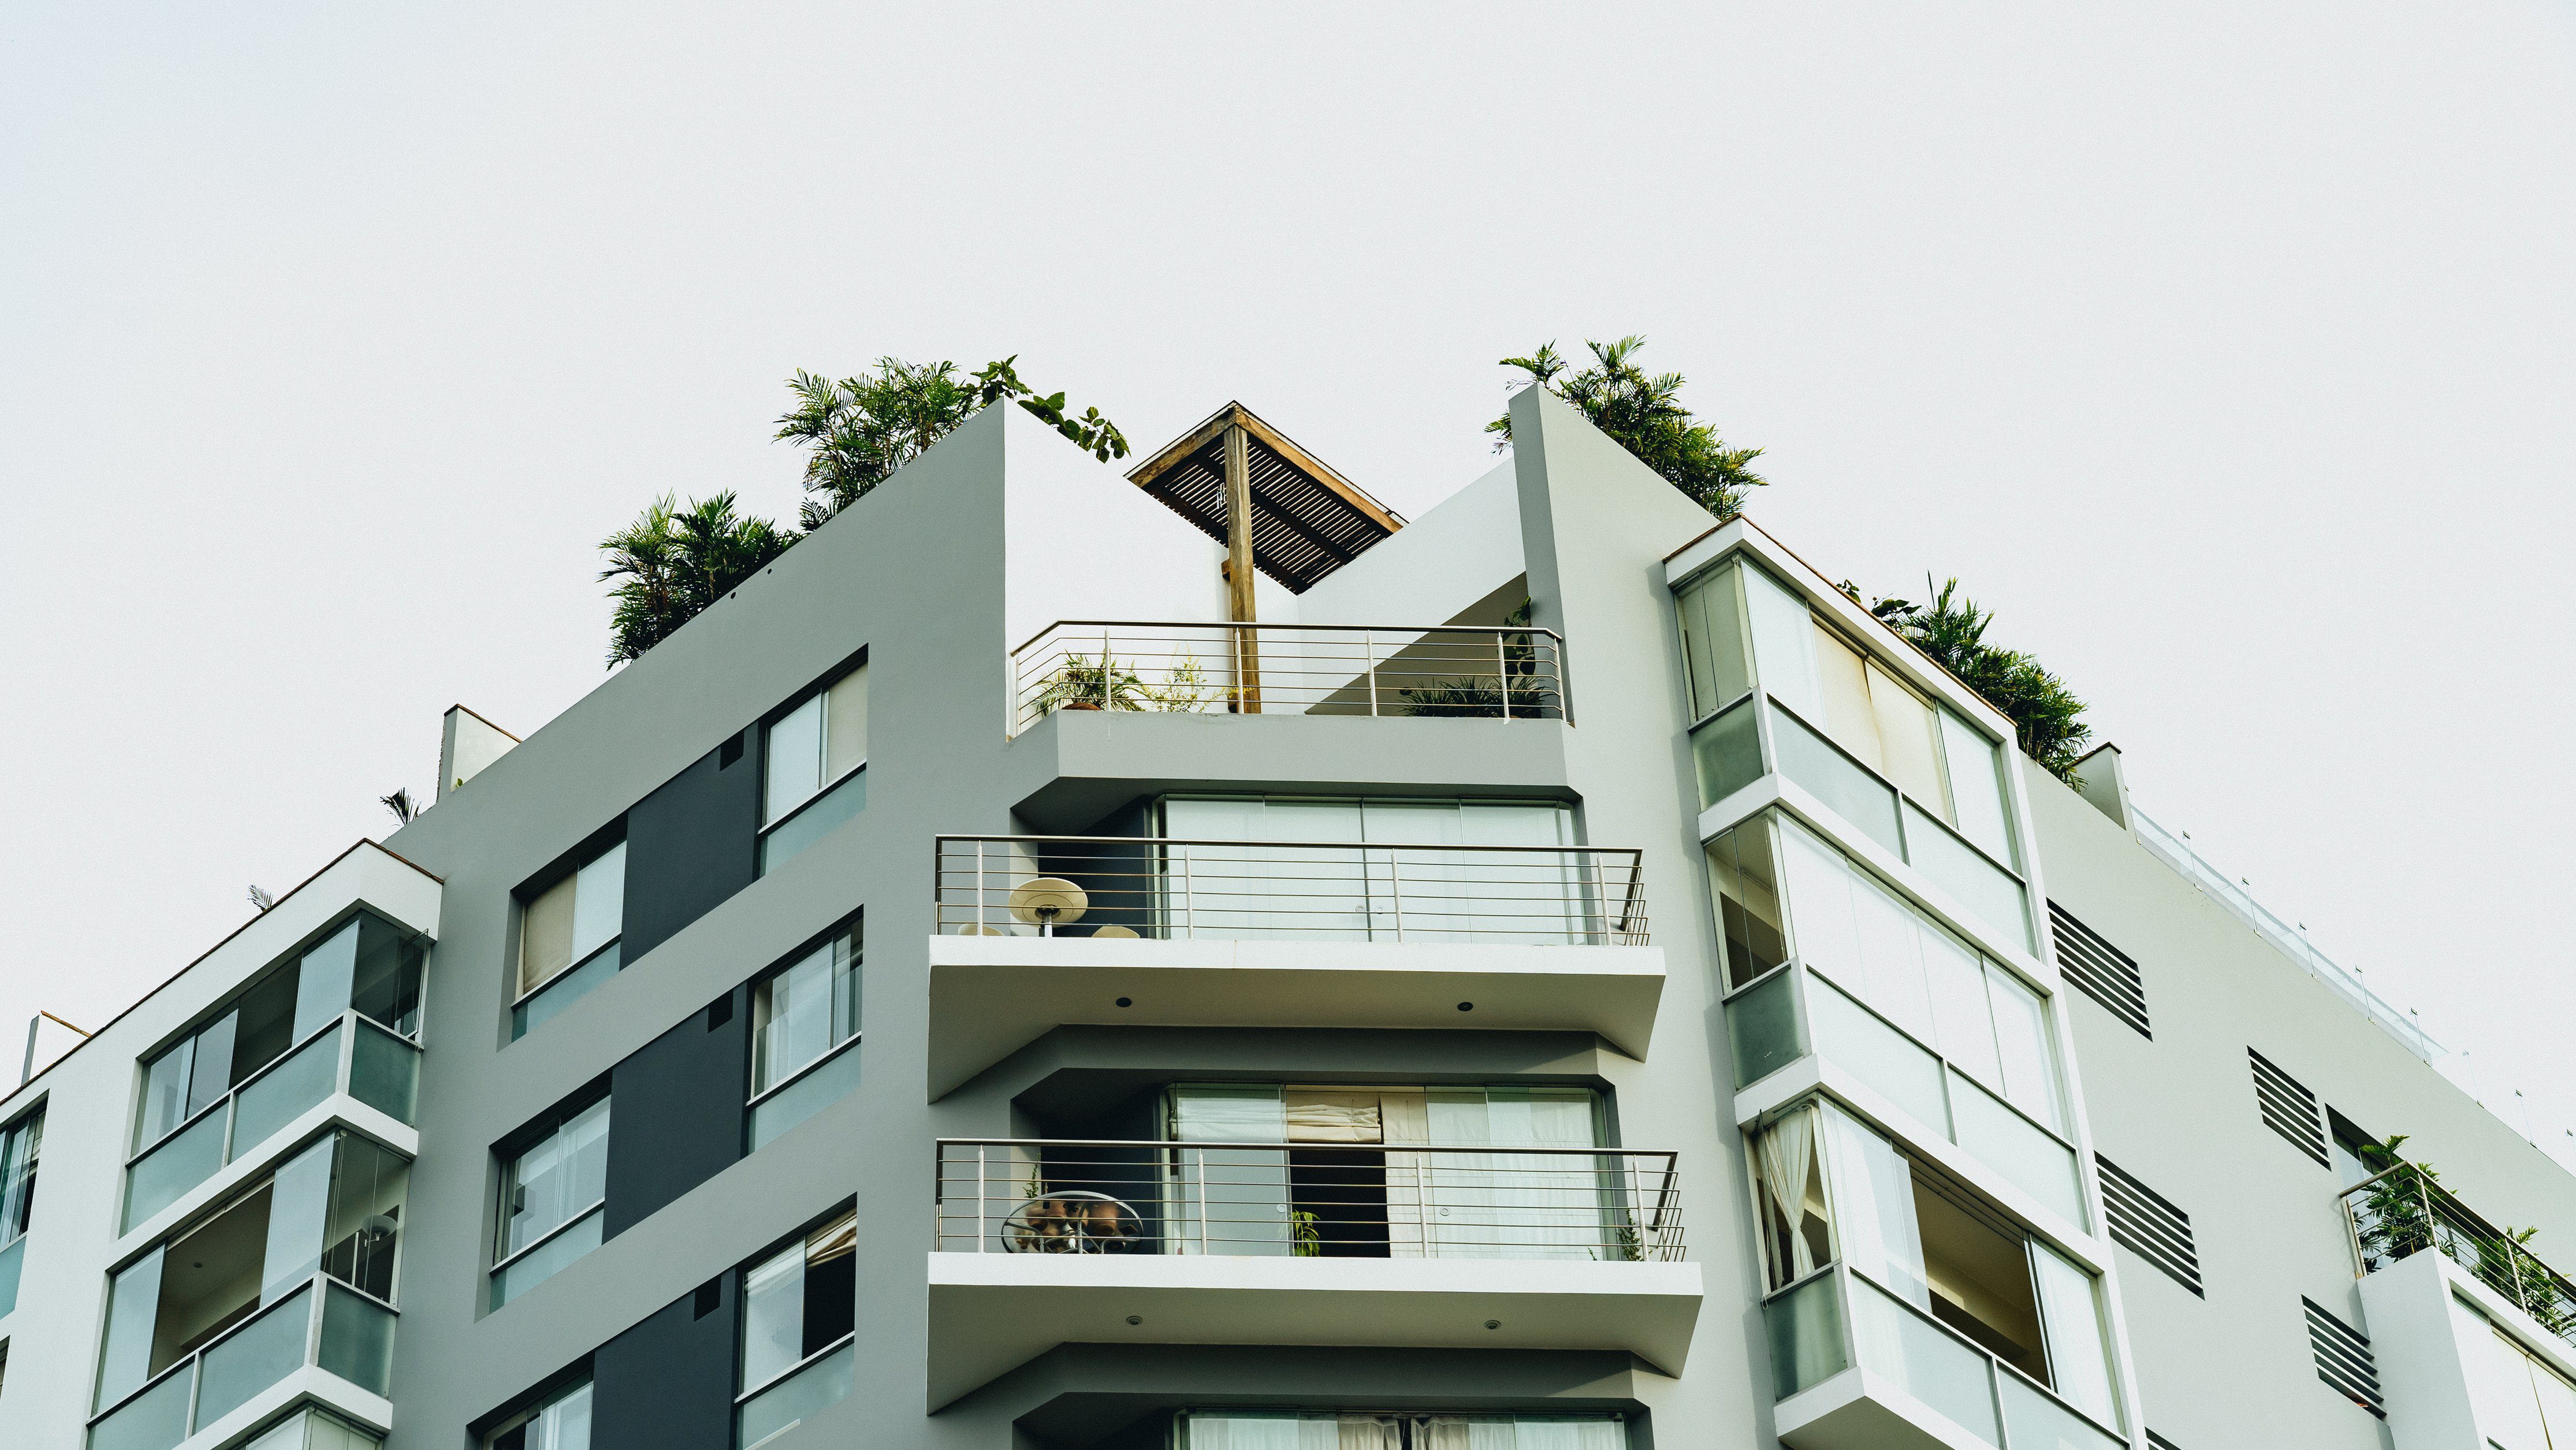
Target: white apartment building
1547,975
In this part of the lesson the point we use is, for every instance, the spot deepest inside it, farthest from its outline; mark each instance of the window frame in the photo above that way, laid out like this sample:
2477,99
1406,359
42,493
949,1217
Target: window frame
819,692
511,1151
859,962
231,1002
13,1134
1938,707
582,857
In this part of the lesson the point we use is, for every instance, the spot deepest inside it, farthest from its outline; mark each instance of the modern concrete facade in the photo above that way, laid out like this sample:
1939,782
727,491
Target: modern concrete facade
962,989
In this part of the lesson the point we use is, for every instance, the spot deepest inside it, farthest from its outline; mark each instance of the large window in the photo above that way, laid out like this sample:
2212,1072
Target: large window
1943,1032
21,1143
1346,1430
1945,768
339,1018
554,1193
799,1308
369,965
2519,1401
1354,882
1945,1295
302,1268
804,1036
813,761
568,937
314,1430
560,1421
1344,1186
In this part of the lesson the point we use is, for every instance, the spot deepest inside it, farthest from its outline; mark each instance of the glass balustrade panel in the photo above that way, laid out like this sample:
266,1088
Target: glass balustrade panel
1918,1357
286,1092
1805,1327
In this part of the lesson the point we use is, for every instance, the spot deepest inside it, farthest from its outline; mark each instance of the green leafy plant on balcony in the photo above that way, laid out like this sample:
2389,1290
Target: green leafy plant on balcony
1482,697
1306,1240
2401,1213
1081,683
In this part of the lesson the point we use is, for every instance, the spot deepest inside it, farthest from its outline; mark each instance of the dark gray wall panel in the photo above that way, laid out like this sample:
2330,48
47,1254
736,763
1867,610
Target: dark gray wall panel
677,1119
667,1383
689,846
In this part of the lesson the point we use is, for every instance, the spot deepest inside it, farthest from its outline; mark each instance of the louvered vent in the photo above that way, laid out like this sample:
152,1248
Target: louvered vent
2148,1224
2159,1442
2289,1109
2098,969
2343,1358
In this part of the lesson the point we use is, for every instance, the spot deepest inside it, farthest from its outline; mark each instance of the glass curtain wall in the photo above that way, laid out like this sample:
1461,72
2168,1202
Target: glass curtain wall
369,965
799,1308
804,1036
1941,1288
222,1311
1942,1032
812,762
1344,1185
1913,774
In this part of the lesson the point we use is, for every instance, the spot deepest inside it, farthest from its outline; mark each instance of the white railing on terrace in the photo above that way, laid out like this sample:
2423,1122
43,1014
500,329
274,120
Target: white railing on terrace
2218,886
1186,667
1131,886
1306,1200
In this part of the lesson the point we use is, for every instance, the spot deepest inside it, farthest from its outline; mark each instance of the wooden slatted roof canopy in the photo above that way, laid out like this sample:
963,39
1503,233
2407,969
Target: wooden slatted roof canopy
1307,520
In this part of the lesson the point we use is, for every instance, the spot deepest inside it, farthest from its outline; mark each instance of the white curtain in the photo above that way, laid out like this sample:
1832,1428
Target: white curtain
1872,1187
1568,1432
1786,1153
1406,1118
1516,1205
1246,1431
1246,1189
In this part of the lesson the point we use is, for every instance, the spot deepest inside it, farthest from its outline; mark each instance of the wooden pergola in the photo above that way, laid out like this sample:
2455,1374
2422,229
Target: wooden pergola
1276,508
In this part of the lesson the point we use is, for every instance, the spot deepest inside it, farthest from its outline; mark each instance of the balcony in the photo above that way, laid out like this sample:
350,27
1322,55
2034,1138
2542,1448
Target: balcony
283,1294
1199,668
353,1060
2456,1302
1037,932
1041,1242
1858,1368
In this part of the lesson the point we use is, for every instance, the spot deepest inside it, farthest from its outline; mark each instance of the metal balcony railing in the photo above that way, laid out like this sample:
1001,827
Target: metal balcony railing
2402,1211
1297,1200
1456,671
1126,886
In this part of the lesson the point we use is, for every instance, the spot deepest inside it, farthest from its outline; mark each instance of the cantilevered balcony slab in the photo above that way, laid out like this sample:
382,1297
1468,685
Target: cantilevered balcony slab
992,995
991,1312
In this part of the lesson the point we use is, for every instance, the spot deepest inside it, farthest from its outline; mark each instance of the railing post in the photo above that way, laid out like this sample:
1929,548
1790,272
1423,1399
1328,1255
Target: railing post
1394,889
982,1214
1203,1203
1189,900
1368,645
1503,672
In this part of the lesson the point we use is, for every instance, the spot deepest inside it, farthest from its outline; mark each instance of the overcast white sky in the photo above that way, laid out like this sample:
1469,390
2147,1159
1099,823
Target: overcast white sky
2227,352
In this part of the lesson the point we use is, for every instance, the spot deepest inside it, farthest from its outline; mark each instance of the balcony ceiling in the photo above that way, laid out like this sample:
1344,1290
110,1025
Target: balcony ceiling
992,1312
1308,520
992,995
